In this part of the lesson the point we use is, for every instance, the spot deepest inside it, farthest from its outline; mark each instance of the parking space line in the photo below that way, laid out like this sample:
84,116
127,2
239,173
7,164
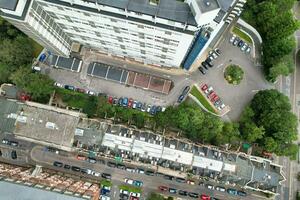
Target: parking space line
93,69
107,72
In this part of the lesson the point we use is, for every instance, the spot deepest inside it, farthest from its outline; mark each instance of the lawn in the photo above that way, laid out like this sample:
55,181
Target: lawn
36,48
242,35
105,183
131,188
196,93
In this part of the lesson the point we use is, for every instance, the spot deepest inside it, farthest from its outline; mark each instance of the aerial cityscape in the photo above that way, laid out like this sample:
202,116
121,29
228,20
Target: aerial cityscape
149,100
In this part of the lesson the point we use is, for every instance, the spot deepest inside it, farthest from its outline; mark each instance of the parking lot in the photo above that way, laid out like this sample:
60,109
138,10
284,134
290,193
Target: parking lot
235,96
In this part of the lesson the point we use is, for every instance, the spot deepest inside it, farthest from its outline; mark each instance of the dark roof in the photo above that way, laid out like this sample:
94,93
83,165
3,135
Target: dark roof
166,9
9,4
225,4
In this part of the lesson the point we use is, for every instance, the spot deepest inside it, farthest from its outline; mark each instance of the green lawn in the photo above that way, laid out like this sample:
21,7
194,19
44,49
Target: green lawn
130,188
36,48
195,92
105,183
242,35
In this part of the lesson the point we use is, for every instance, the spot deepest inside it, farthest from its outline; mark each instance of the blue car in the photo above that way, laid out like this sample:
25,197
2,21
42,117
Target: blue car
153,110
125,102
232,191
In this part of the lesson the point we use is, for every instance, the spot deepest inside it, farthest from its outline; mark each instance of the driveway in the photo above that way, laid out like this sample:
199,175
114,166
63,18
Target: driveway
237,97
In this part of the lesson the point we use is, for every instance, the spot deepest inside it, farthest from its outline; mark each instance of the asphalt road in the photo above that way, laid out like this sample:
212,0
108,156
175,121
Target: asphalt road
151,183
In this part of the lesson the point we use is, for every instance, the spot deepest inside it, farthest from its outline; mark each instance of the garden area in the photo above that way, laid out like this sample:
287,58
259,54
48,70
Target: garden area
202,99
234,74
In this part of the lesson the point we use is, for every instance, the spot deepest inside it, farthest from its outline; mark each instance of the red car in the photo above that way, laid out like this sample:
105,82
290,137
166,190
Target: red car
24,97
215,98
130,102
79,157
204,87
163,188
110,99
80,90
211,95
134,198
204,197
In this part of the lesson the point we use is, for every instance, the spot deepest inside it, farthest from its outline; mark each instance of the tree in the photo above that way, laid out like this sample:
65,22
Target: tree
251,132
39,86
230,134
155,196
17,52
4,73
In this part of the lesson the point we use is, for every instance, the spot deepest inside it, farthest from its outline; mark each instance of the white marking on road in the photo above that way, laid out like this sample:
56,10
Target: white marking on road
254,90
220,65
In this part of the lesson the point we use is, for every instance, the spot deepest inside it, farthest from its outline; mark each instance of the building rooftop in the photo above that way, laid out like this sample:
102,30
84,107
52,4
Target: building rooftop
207,5
167,9
9,4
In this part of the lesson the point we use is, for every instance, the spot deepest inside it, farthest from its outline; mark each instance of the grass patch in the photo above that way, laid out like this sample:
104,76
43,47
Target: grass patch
130,188
195,92
242,35
105,183
36,48
234,74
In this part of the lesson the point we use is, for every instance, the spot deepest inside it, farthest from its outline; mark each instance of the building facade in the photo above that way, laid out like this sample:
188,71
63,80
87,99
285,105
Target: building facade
165,33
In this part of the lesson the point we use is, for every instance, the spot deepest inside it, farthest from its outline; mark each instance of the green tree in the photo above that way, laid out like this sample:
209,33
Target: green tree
39,86
155,196
251,132
4,73
230,134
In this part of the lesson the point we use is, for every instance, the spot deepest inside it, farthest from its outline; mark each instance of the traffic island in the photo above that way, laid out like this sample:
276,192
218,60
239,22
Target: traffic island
234,74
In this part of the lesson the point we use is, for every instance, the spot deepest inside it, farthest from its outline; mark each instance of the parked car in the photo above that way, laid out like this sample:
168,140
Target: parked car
202,70
75,169
57,164
172,190
80,157
215,56
130,102
110,100
70,87
128,181
135,194
91,93
180,180
14,154
221,189
86,171
5,141
149,108
182,192
59,85
111,164
209,62
115,101
204,197
67,166
186,90
248,50
244,47
190,182
144,107
134,105
163,188
205,65
139,105
211,187
241,193
120,101
204,87
126,192
149,173
106,176
193,194
236,41
92,160
180,98
14,143
137,183
158,109
231,40
218,51
80,90
241,43
232,191
168,177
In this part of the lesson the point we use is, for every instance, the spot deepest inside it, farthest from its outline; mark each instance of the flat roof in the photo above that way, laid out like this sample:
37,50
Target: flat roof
9,4
207,163
12,191
207,5
116,141
167,9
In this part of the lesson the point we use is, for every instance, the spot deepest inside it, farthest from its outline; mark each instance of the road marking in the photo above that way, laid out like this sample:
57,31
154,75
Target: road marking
220,65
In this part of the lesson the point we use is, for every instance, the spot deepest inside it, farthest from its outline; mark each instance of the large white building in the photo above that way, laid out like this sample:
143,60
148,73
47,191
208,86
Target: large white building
168,33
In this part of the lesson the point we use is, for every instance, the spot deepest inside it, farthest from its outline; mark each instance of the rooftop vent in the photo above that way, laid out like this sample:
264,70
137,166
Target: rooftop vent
207,3
154,2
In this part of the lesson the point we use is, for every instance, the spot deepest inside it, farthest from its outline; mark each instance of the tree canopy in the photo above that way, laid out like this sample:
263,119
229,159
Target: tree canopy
268,120
275,22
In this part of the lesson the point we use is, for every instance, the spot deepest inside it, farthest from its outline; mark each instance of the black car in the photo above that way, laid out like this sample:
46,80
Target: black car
153,110
193,194
149,173
75,169
111,164
14,154
57,164
209,62
180,180
115,101
242,193
158,109
168,177
218,51
70,87
180,98
182,193
186,90
202,70
120,101
106,176
92,160
67,167
205,65
241,43
121,166
0,153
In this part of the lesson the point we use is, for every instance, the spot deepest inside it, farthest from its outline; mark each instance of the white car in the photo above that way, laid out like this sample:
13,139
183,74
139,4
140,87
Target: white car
244,47
149,108
221,189
209,89
36,68
106,187
221,106
89,92
232,38
163,109
134,194
124,191
97,174
4,141
128,181
59,85
134,104
103,197
248,50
